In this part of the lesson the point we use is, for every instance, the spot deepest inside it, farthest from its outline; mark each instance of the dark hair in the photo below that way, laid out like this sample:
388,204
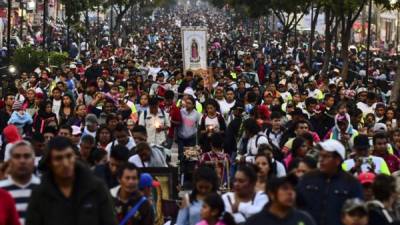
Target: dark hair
88,139
37,137
96,155
58,143
102,127
297,143
309,161
139,129
111,116
142,146
310,100
249,170
251,126
120,153
66,127
273,170
204,173
153,101
121,128
379,135
215,202
216,140
169,95
190,98
127,166
251,96
213,103
275,183
383,187
48,129
276,115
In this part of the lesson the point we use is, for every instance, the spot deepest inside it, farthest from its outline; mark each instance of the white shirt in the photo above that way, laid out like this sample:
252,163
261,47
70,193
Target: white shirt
135,159
131,144
245,209
365,108
252,146
151,122
56,107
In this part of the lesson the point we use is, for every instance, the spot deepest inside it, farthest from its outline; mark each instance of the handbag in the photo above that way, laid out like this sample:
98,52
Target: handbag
133,211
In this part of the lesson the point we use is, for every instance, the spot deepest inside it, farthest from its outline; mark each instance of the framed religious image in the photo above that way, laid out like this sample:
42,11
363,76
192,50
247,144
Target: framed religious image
168,179
194,48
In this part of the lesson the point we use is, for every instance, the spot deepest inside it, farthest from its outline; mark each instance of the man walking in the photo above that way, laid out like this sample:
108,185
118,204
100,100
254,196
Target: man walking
69,193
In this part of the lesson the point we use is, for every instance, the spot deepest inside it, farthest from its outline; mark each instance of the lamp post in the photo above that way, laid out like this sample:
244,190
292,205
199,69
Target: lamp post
9,30
369,36
44,23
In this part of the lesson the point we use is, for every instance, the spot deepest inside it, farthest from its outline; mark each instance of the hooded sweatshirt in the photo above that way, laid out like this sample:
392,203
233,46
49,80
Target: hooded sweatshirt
11,135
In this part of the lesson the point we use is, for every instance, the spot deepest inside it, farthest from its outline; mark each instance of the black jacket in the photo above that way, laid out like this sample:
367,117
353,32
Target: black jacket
90,202
294,217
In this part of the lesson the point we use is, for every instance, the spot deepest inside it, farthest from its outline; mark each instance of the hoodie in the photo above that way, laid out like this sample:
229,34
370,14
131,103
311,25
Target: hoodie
11,135
20,120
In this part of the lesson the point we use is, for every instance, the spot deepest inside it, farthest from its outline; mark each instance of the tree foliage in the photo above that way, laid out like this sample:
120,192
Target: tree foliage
28,58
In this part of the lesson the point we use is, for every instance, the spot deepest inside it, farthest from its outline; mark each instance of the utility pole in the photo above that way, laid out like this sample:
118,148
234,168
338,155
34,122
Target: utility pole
21,22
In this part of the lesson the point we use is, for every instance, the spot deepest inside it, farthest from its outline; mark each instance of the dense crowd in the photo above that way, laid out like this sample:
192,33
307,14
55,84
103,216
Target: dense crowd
270,140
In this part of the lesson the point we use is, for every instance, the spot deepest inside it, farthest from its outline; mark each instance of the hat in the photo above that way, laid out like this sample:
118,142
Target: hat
76,130
379,127
91,119
282,82
354,204
332,145
147,181
336,70
366,178
361,90
17,105
72,66
39,95
189,91
361,142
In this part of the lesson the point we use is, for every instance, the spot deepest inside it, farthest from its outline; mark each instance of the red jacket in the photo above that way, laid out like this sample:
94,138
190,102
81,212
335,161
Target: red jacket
8,212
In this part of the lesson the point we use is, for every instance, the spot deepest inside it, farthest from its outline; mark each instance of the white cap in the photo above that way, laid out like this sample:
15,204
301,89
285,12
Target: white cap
332,145
72,66
189,91
379,127
76,130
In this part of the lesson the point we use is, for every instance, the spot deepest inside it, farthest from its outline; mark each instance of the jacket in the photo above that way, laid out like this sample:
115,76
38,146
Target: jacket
323,197
378,214
89,203
294,217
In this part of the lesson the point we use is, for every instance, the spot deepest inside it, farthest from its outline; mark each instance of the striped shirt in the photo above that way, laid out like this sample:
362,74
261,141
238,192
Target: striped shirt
20,193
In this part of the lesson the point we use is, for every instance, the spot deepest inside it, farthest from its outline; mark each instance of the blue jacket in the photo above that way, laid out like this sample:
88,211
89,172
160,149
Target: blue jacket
323,197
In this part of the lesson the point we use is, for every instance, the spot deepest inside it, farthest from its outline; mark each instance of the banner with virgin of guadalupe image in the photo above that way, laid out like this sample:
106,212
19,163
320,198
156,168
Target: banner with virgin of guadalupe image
194,49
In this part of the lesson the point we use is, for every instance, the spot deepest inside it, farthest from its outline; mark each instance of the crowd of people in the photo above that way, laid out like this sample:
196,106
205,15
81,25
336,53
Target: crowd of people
271,140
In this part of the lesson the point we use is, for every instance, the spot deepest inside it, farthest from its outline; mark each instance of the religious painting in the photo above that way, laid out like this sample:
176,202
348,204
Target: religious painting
194,46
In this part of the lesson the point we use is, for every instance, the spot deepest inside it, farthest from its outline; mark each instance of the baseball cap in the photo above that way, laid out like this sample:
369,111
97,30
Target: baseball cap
319,108
366,178
76,130
91,119
379,127
17,105
354,204
146,181
332,145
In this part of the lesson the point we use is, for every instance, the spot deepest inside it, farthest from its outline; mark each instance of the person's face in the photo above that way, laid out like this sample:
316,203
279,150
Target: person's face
81,111
302,128
22,162
48,108
390,114
145,154
242,184
343,125
301,169
219,94
328,162
144,100
189,105
129,181
302,151
355,219
10,100
139,137
263,166
104,135
362,96
211,109
276,123
371,101
285,196
380,111
100,83
114,165
368,193
206,212
30,95
48,137
32,79
85,149
154,109
230,96
396,137
56,94
122,137
64,133
66,100
204,187
380,145
62,163
330,102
